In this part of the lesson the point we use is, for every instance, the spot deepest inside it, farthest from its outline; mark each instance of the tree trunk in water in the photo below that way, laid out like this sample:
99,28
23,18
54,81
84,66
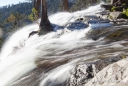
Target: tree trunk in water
45,25
65,5
37,4
38,7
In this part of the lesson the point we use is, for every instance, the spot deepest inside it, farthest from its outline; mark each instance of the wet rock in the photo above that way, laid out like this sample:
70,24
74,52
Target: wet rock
119,21
119,2
77,25
98,32
107,6
115,74
84,72
119,34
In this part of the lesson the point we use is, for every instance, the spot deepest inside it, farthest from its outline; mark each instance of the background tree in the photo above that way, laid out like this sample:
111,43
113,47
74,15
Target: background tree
15,19
65,5
1,22
79,5
1,32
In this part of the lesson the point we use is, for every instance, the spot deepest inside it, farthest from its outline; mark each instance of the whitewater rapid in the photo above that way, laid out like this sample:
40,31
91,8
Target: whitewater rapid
21,56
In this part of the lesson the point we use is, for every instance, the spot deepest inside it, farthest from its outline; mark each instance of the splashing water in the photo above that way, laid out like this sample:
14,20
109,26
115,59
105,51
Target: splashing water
45,60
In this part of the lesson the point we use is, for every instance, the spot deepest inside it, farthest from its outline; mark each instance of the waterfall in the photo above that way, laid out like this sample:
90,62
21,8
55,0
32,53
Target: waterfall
45,60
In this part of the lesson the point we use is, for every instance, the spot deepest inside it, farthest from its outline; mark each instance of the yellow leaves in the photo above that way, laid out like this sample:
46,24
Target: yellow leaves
14,17
11,18
34,15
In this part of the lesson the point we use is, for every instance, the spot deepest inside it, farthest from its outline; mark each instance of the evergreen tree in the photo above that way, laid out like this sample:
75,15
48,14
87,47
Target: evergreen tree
1,22
14,19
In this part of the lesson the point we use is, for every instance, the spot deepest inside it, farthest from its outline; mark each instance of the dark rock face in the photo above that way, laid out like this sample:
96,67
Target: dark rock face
124,1
119,2
107,7
83,73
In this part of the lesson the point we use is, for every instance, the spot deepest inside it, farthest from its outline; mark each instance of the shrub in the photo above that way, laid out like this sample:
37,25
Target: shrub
125,12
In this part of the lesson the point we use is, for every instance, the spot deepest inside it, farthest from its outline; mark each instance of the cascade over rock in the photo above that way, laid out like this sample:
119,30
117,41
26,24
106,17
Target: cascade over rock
73,57
83,73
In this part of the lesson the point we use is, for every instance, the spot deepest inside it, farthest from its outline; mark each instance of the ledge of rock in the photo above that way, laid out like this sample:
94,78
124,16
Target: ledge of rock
84,72
115,74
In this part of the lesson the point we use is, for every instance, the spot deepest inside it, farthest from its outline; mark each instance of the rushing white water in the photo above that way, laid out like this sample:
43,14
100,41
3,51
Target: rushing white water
21,55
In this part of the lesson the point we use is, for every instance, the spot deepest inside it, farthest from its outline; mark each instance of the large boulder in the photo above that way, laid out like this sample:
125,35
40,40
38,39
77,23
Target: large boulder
117,35
119,2
82,73
107,6
113,75
115,15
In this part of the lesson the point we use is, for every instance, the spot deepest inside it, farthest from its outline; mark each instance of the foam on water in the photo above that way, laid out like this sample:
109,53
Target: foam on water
19,53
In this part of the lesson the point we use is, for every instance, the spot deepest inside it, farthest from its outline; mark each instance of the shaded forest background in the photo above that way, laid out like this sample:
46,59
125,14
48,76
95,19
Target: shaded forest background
13,16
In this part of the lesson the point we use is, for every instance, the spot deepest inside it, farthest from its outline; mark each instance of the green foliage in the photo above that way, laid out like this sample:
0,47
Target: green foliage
125,12
124,4
113,8
14,19
34,15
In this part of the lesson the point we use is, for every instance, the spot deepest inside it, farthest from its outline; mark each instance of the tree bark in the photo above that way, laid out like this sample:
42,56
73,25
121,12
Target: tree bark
37,4
65,5
45,25
38,7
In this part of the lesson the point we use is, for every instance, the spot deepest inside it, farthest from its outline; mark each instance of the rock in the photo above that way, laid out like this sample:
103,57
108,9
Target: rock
98,32
115,15
119,2
115,74
77,25
118,34
107,6
119,21
80,19
83,73
105,16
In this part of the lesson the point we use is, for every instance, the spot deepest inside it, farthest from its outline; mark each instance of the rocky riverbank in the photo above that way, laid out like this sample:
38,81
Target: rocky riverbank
113,70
